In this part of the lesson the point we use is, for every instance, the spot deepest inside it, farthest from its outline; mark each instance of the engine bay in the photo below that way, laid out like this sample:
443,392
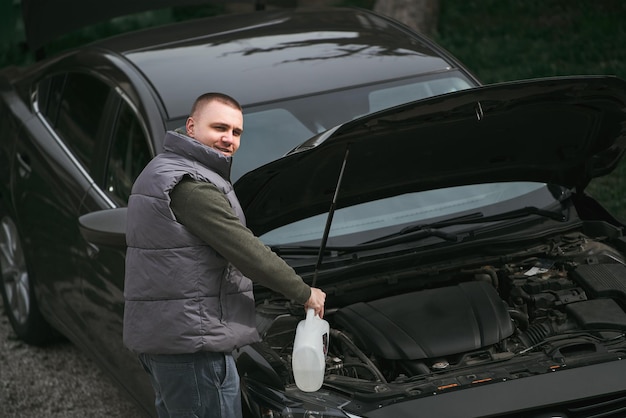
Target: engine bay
560,304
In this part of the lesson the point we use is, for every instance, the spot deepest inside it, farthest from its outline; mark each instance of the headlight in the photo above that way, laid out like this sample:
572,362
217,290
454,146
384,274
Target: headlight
293,403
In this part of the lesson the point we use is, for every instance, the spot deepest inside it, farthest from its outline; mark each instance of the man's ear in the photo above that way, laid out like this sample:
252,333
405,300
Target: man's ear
189,125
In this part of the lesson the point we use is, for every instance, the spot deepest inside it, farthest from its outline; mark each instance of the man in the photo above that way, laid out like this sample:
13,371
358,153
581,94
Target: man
189,301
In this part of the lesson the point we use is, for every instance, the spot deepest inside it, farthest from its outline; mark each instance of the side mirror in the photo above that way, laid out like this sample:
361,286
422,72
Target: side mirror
104,227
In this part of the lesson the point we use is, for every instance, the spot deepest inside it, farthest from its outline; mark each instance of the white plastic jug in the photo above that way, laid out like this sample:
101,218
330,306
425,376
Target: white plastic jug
309,352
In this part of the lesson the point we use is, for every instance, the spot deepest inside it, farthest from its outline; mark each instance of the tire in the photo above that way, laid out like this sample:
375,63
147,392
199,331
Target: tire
16,286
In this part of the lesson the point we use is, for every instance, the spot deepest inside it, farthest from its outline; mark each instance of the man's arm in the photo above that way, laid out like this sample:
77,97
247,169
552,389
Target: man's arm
206,212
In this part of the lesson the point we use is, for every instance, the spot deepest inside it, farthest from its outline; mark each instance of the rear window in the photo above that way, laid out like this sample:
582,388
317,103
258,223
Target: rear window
74,105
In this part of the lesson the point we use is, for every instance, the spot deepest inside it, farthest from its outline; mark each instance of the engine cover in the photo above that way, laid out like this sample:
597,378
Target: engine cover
429,323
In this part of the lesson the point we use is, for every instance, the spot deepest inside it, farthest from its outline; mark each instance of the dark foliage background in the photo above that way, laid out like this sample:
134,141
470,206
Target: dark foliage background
500,40
503,40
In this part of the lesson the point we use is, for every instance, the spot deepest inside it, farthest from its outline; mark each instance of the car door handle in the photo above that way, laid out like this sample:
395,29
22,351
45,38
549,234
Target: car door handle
92,250
24,169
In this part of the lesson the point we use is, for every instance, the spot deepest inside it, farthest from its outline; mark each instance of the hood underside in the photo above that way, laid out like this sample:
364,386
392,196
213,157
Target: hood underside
562,130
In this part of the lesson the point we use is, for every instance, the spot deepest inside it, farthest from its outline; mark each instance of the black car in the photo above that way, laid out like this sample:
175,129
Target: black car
467,272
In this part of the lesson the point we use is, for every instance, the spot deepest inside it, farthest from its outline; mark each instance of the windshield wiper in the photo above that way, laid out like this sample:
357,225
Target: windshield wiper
525,211
420,231
385,241
478,217
432,229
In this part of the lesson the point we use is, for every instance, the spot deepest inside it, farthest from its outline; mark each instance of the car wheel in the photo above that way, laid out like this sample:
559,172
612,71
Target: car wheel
17,291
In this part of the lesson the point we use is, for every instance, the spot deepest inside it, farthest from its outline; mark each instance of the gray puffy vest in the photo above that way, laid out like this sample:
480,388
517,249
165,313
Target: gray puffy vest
181,296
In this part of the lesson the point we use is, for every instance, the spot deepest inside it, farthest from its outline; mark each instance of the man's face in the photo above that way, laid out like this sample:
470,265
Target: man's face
218,126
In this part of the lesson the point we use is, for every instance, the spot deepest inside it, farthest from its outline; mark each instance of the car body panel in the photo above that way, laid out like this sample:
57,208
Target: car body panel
294,52
513,398
103,287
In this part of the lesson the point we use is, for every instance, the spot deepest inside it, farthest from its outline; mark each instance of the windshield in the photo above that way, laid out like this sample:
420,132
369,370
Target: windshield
364,222
273,129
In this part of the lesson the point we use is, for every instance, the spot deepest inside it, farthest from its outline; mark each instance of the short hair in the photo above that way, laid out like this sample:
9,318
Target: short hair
206,98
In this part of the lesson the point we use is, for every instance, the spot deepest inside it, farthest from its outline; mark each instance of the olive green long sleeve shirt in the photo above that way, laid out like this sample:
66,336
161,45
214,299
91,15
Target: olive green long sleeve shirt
205,211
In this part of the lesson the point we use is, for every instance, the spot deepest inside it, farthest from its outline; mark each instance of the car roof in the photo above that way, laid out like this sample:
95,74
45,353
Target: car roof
267,56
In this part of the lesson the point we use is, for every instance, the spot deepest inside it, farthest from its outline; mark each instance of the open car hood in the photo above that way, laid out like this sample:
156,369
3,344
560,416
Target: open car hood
562,130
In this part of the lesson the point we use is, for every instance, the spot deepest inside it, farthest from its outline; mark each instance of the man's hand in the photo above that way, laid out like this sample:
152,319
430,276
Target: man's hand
316,301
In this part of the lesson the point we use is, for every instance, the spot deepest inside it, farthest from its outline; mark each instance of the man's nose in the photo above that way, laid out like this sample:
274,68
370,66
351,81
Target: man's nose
227,137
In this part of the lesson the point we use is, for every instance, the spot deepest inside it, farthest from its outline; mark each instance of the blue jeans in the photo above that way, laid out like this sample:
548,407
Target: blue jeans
203,385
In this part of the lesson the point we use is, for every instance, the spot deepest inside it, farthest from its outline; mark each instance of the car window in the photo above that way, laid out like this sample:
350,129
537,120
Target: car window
271,130
74,105
387,97
268,130
49,93
128,155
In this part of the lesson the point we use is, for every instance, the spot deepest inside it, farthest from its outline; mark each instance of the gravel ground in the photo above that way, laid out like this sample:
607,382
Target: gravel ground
54,381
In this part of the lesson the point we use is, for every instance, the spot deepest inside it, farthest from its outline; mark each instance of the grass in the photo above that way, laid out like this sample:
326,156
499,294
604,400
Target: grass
507,39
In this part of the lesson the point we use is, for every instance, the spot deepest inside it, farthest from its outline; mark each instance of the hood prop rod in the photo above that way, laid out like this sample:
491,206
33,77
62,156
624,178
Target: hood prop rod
329,219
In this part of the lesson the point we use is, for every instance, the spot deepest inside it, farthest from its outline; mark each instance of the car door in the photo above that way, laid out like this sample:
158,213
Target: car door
51,179
123,153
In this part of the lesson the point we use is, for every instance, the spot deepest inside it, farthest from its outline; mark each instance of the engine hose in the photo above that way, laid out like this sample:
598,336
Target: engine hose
370,365
520,318
535,334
